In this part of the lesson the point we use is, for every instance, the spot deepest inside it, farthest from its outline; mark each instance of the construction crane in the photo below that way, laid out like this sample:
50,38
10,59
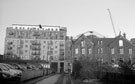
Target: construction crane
112,21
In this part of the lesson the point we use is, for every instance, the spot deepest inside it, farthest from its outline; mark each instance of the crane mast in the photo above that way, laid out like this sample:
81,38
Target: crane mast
112,21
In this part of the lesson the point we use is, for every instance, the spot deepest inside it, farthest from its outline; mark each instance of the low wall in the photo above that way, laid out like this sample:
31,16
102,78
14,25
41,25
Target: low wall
29,74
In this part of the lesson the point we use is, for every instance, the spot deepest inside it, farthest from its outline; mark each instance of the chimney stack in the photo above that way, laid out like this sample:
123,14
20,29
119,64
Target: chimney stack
124,35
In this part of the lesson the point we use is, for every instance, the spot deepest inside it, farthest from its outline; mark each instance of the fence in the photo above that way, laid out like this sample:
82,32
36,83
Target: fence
29,74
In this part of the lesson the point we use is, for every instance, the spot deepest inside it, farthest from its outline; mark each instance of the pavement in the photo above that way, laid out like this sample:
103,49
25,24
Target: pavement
50,80
67,79
35,80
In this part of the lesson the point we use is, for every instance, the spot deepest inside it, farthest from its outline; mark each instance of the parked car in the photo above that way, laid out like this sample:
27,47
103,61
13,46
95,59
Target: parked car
66,71
12,69
19,66
32,66
4,75
5,72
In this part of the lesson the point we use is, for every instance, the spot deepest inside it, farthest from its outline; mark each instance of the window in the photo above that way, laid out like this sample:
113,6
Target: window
13,50
44,41
44,51
76,51
130,51
100,59
26,41
90,51
25,50
56,46
120,43
82,43
121,51
83,51
61,36
56,51
113,60
55,42
62,44
51,47
56,36
100,42
112,51
50,42
13,45
26,45
100,50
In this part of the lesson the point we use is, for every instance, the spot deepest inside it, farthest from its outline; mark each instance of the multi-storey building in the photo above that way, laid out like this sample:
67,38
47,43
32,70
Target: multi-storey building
68,54
36,42
103,49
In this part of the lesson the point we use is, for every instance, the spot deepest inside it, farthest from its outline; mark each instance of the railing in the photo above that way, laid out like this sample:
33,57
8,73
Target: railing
35,53
9,48
36,43
10,43
35,48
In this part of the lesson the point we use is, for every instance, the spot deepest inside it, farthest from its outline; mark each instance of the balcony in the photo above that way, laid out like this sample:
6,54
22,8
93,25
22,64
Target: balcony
36,34
9,53
61,37
50,43
20,46
62,53
36,43
49,52
35,53
35,47
11,33
61,45
61,58
10,43
61,50
9,48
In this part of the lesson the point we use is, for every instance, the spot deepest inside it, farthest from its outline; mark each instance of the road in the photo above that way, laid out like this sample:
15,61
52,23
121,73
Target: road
50,80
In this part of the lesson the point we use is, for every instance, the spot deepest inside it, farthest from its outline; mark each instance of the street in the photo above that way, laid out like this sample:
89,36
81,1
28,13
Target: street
50,80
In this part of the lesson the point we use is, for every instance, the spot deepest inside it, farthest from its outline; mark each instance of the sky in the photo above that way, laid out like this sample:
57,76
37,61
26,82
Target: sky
78,16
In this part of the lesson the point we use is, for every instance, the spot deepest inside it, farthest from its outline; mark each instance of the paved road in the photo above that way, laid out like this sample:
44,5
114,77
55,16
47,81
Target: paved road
50,80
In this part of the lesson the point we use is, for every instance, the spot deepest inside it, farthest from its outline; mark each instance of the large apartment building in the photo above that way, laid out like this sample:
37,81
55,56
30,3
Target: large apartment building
36,42
97,47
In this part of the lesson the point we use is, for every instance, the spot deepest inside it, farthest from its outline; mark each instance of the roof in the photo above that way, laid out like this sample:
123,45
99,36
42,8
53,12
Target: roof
92,34
118,37
82,35
95,37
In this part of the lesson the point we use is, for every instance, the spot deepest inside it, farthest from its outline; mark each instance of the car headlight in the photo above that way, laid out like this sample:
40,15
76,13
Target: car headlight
15,74
6,76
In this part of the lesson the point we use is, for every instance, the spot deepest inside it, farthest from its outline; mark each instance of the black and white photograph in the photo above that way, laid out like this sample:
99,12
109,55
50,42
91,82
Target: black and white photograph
67,41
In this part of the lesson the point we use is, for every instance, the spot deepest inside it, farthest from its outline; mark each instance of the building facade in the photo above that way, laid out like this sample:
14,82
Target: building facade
36,42
103,49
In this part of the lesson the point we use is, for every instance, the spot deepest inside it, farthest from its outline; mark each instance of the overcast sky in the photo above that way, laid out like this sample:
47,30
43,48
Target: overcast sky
77,15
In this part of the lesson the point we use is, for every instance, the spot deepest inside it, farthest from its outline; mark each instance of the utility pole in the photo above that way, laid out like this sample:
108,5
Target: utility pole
112,21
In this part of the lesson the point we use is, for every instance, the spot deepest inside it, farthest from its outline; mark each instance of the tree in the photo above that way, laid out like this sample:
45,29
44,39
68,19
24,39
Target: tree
76,69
